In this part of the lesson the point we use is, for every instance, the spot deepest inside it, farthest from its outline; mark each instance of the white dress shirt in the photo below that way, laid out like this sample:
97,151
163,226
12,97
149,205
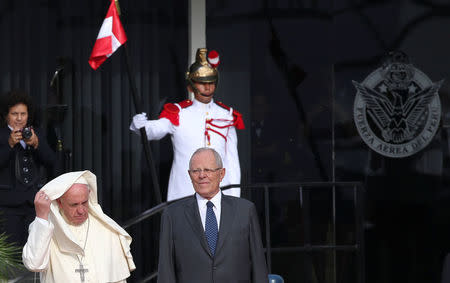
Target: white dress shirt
216,200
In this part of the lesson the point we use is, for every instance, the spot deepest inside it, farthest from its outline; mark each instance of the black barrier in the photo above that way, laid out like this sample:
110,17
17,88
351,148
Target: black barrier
308,248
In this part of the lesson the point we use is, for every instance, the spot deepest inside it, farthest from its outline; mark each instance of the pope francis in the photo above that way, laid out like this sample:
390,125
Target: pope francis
71,239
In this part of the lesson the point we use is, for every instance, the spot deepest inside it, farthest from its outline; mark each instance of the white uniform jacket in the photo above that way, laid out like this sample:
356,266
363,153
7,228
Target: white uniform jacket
192,125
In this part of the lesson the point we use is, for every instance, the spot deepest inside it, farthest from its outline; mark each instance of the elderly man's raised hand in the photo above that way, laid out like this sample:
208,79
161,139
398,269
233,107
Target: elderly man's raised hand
42,205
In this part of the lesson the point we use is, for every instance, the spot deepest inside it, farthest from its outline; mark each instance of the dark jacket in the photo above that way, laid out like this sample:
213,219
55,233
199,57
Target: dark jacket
20,168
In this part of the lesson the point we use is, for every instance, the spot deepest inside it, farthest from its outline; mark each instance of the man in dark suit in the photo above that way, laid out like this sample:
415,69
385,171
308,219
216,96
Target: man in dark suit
210,237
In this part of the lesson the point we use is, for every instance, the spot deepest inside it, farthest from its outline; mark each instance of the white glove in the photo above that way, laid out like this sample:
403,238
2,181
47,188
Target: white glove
139,121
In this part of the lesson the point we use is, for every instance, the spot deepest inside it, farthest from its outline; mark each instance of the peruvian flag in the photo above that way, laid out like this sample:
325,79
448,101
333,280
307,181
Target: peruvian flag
110,37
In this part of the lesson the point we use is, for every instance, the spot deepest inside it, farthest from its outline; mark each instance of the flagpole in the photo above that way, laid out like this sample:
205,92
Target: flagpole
137,105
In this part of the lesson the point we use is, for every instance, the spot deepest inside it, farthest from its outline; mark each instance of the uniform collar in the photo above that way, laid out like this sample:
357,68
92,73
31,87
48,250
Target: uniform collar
201,105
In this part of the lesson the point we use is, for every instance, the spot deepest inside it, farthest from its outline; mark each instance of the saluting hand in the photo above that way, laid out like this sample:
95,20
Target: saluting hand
42,205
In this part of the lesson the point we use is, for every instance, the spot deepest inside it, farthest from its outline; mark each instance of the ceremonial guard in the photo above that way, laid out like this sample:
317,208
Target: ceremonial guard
201,122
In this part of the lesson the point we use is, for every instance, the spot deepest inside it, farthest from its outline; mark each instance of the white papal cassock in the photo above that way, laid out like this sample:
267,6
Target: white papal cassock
199,125
54,247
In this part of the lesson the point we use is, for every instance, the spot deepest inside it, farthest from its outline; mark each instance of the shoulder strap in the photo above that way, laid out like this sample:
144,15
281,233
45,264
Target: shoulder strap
185,103
171,111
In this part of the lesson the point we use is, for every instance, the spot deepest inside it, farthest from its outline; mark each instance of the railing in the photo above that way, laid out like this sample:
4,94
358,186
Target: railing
308,247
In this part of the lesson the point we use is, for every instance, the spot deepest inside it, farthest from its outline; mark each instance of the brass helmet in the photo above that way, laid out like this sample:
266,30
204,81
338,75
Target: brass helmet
204,70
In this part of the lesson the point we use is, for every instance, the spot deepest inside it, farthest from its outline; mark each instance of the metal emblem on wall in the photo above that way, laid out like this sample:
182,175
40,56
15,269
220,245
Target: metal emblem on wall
397,108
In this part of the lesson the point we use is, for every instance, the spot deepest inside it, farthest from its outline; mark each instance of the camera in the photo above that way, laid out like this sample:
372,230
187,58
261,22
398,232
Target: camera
27,133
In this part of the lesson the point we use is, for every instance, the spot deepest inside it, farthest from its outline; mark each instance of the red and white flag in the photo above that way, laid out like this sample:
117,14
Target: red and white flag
110,37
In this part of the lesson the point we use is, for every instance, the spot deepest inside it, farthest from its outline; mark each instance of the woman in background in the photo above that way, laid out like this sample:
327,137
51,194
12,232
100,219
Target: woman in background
23,151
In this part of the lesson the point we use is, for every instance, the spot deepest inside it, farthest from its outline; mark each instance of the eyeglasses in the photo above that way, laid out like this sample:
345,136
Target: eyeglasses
207,171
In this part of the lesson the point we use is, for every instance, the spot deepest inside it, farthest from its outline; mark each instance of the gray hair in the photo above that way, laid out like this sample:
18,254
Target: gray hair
217,157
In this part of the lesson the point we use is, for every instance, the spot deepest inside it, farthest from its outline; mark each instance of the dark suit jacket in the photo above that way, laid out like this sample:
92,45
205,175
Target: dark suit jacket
184,255
14,191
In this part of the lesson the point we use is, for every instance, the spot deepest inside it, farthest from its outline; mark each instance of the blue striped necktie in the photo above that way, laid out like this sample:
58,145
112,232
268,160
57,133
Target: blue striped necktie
211,230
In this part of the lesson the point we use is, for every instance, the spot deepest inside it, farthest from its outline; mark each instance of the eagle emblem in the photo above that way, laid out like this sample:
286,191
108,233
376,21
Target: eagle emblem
397,108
